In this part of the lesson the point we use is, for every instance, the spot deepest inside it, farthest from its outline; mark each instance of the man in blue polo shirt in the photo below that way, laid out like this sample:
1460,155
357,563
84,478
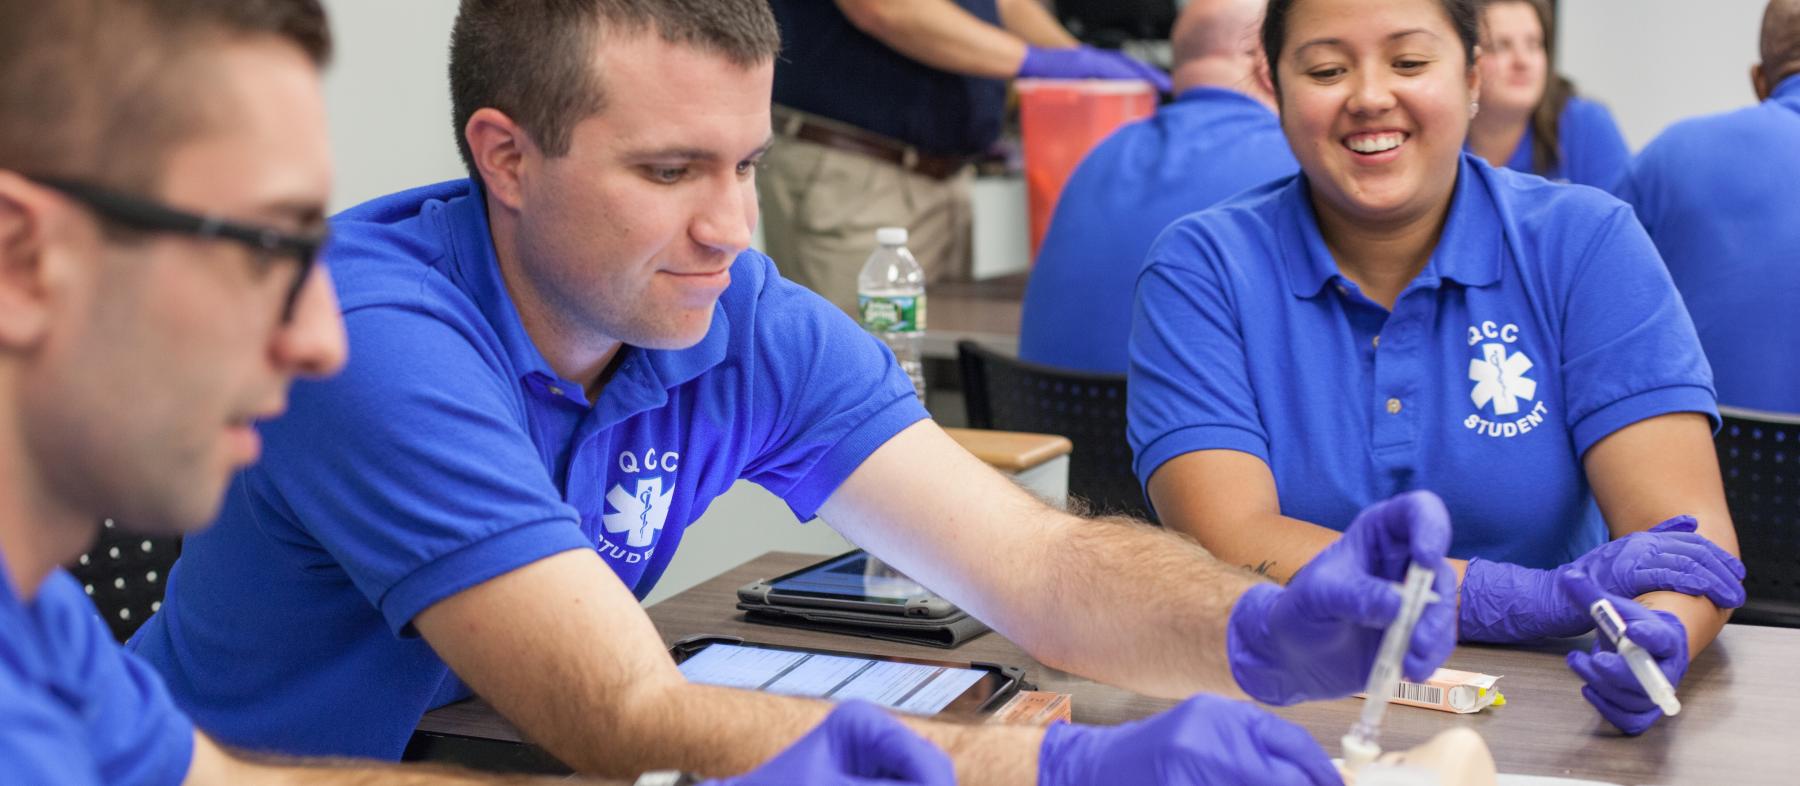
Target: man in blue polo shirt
1718,197
105,282
558,364
152,236
1219,137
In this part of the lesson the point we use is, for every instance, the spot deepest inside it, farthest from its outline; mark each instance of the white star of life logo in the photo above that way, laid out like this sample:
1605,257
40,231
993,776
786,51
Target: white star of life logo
1500,378
640,515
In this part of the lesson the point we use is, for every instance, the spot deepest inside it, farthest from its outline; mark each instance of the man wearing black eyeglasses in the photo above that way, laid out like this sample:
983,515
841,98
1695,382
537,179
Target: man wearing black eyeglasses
163,174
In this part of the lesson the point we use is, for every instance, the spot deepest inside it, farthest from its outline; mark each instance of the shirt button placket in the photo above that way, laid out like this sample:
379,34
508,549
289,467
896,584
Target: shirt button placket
1400,366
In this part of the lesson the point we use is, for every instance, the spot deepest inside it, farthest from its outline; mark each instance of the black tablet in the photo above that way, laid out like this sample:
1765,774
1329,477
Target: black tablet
911,685
852,581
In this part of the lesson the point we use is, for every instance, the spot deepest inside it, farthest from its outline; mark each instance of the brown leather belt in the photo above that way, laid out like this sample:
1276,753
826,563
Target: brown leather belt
848,138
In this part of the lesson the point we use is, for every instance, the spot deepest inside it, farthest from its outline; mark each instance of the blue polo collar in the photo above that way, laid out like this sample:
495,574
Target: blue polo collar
643,377
1788,92
1208,94
1468,253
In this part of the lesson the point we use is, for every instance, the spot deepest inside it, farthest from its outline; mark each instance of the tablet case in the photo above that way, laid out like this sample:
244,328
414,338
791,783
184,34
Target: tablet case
946,633
1014,676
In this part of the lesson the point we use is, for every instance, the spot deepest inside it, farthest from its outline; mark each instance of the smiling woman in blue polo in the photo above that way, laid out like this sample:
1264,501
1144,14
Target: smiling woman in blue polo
1401,315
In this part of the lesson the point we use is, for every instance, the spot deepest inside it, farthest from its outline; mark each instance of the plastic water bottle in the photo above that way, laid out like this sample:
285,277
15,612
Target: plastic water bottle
890,297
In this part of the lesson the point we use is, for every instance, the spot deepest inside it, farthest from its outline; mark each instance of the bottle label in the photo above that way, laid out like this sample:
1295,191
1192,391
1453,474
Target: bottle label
892,313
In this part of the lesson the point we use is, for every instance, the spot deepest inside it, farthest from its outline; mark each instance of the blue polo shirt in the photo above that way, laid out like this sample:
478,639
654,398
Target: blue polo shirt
448,452
1542,323
1209,144
74,708
1720,196
1594,152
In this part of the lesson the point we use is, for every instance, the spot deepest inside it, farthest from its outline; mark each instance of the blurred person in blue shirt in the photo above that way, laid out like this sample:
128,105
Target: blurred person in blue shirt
1401,315
1718,196
144,328
1531,120
1220,136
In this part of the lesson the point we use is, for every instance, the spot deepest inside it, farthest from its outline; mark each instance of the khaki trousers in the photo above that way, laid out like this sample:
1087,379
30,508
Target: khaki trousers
821,207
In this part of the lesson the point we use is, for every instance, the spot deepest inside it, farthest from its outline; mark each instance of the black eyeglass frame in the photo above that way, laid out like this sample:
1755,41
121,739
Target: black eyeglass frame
147,215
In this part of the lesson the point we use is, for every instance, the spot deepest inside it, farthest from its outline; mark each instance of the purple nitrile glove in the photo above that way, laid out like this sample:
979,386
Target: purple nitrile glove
1317,638
1611,687
1086,62
1505,603
1204,740
858,744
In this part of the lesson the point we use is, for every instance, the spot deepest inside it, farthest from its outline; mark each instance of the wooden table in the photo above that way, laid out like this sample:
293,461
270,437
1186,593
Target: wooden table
984,311
1011,452
1738,725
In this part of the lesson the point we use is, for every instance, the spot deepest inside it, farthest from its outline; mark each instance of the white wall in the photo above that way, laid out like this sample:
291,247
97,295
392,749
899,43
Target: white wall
389,96
1653,62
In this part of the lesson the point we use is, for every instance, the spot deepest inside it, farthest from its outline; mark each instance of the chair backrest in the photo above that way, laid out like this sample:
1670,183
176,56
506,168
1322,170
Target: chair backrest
1759,455
1001,392
124,574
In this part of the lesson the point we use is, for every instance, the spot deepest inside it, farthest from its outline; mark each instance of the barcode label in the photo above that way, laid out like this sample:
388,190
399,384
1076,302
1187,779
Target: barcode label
1412,691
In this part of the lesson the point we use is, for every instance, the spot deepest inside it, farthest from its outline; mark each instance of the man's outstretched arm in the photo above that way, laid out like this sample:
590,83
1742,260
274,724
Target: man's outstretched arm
1053,582
562,649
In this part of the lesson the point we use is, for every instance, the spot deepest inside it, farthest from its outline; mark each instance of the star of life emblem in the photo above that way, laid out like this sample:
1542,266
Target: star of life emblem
638,515
1500,380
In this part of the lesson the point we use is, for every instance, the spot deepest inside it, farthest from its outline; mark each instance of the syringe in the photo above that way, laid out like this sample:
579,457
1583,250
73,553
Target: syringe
1362,744
1642,663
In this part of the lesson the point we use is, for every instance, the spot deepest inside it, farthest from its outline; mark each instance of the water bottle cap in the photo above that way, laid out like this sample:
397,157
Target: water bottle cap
891,236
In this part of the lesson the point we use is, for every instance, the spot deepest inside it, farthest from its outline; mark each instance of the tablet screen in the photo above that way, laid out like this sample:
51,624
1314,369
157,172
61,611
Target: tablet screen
851,577
908,687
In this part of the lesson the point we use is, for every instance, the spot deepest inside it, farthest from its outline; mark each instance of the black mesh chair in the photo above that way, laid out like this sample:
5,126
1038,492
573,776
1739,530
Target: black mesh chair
1009,394
124,575
1759,453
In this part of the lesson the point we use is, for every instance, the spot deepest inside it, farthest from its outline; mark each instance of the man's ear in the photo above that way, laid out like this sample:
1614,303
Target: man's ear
25,215
499,148
1759,81
1475,73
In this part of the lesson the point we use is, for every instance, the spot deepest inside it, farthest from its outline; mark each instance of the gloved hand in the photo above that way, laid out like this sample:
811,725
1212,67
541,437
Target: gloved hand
1204,740
858,744
1506,603
1317,638
1611,687
1086,62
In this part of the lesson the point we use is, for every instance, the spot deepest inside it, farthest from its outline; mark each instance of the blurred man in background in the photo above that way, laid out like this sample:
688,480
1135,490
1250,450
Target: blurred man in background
1219,137
1718,196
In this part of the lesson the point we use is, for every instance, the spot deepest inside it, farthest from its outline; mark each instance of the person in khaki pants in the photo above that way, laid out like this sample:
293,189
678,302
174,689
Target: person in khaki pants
821,207
880,105
164,172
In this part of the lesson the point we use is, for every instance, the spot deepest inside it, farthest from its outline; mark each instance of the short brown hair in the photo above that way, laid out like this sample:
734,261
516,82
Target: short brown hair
534,59
102,90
